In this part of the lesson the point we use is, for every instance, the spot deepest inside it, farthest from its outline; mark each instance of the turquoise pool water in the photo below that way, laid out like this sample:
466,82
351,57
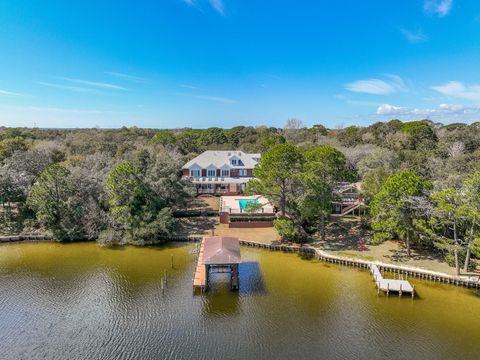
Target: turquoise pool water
243,203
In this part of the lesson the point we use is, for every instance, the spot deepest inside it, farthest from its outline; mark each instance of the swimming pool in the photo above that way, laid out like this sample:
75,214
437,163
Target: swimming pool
244,202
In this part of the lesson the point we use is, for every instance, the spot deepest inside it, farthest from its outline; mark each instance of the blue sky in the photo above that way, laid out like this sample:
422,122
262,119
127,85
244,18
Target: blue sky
201,63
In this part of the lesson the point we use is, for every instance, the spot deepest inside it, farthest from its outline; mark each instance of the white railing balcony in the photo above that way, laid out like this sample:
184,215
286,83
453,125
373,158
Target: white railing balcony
206,191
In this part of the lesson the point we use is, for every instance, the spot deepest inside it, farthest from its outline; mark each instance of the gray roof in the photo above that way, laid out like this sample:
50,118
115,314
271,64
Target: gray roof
222,158
221,250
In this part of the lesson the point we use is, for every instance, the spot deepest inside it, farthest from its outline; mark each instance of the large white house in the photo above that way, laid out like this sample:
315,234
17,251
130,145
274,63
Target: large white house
221,172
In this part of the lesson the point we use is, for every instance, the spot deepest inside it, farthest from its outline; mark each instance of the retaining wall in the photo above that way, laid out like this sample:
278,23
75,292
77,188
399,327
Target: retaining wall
396,269
16,238
250,224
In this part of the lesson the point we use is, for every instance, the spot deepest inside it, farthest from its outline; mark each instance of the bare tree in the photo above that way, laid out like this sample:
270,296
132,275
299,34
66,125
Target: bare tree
456,149
292,128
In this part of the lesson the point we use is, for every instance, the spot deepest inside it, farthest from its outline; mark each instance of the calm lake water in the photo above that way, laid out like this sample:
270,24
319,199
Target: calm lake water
82,301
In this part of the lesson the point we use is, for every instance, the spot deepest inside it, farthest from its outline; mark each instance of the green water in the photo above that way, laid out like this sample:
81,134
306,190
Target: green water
81,301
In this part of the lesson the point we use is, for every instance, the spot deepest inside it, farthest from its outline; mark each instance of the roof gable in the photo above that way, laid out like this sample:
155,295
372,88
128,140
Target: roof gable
221,250
221,158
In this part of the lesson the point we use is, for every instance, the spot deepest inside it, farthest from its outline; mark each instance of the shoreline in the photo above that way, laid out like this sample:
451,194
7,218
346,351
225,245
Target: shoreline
391,268
321,255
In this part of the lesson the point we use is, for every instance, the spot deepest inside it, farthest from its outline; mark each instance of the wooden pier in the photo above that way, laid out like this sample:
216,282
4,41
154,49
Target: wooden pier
200,279
399,286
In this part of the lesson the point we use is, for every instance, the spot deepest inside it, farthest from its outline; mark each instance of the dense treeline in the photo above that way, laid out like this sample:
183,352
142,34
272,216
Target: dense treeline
122,184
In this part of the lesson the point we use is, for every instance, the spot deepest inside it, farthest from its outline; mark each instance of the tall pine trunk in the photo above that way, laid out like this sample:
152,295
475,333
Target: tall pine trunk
467,260
455,251
457,263
407,243
469,251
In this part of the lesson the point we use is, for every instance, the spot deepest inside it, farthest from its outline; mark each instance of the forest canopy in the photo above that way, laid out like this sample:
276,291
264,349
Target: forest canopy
92,166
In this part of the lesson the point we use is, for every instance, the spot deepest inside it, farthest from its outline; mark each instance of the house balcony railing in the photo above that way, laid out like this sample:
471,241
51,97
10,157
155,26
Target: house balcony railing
213,191
206,191
215,178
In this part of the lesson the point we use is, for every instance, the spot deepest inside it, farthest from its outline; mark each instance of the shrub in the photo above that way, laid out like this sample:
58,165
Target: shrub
286,229
110,237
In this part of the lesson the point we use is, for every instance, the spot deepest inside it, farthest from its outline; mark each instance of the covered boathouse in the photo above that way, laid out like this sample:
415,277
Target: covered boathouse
218,254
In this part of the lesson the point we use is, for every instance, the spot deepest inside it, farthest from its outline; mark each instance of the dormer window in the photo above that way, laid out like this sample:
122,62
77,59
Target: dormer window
195,173
234,161
211,173
225,173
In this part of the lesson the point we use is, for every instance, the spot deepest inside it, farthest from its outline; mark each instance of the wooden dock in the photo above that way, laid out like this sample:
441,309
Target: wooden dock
399,286
200,279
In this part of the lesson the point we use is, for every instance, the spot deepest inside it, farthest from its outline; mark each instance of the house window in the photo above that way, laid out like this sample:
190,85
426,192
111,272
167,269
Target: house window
226,173
243,172
211,173
195,173
234,161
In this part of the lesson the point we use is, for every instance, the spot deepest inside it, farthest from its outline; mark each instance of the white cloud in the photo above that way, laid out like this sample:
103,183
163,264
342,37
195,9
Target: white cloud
8,93
187,86
414,37
457,89
218,6
397,82
452,107
97,84
393,83
215,98
72,88
441,110
370,86
387,109
125,76
438,7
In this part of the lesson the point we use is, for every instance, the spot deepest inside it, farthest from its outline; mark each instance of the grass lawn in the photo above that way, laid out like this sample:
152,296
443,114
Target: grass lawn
201,225
210,203
263,235
204,226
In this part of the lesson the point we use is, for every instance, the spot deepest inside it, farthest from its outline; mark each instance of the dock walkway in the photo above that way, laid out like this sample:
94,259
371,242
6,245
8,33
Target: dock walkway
388,285
200,278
